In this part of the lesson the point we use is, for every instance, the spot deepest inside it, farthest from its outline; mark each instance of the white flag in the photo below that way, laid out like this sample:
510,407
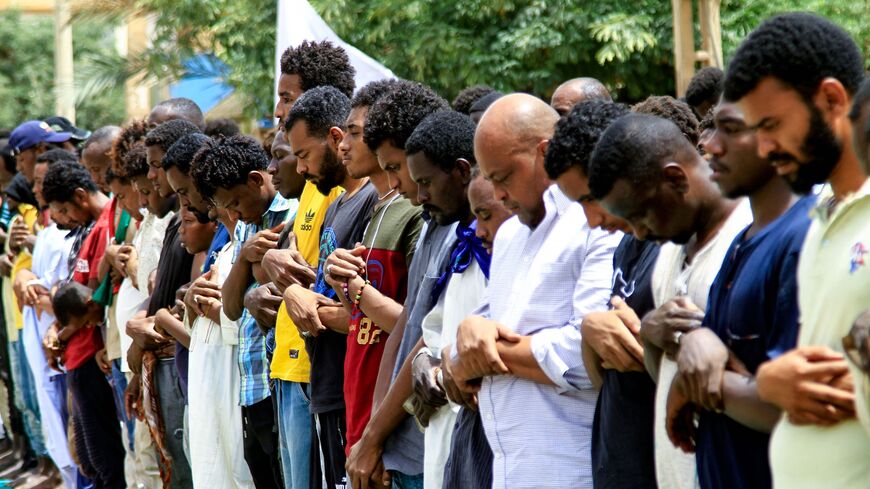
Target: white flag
298,21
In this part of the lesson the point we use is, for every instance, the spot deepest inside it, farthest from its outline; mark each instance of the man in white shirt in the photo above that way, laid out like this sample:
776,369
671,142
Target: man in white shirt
646,171
524,341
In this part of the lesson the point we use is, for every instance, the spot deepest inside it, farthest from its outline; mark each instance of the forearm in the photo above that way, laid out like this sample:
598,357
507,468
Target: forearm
134,358
234,287
391,412
335,318
743,405
592,362
388,360
518,357
381,309
173,327
652,357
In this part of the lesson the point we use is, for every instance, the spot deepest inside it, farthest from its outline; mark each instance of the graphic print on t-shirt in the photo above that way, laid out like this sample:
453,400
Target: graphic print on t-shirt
328,244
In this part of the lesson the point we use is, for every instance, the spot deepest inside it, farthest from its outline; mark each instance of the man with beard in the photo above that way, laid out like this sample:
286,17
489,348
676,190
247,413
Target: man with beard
752,316
315,127
794,78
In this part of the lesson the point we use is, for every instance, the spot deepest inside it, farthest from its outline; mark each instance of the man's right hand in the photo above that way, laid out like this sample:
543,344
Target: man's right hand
203,294
664,326
128,259
144,334
18,234
428,395
800,383
613,336
365,466
344,265
131,398
288,267
257,245
302,308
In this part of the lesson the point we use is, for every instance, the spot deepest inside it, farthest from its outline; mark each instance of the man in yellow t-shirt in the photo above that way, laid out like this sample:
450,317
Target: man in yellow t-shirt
290,367
799,101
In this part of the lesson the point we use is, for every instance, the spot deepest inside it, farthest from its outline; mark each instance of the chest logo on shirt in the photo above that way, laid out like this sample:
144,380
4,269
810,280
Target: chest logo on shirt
82,266
626,289
857,257
306,225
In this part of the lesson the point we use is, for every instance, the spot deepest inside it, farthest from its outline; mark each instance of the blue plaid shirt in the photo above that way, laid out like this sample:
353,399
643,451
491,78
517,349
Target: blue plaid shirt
253,361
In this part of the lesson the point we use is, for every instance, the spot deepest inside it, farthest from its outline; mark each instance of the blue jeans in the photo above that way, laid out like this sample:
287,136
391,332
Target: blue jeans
294,428
404,481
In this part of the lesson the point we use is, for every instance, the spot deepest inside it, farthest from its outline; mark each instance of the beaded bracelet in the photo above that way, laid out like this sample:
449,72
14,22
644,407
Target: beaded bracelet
359,293
344,290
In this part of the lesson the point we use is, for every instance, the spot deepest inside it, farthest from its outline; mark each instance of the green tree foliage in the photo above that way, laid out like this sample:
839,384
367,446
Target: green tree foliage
27,70
533,45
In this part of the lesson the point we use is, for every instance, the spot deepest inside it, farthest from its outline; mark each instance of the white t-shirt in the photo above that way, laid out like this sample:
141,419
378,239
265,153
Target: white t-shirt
673,277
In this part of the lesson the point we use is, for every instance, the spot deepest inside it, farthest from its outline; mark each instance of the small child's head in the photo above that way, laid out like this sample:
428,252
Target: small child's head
74,306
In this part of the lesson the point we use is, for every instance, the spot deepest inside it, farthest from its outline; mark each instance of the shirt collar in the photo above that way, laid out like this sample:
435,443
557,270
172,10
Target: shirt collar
826,211
562,201
279,204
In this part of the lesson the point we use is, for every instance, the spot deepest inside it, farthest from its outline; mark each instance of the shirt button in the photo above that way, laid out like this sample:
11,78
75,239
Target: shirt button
489,416
497,455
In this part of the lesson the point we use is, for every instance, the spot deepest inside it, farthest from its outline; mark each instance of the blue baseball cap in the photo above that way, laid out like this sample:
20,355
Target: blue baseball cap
31,133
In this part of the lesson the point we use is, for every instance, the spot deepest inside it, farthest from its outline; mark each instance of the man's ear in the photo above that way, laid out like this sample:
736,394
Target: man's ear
831,98
256,179
80,196
541,152
40,148
463,167
675,176
336,134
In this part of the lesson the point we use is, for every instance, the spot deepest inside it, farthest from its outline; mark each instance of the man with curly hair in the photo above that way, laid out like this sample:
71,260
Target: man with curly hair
70,191
704,90
468,96
622,442
315,127
794,79
389,124
231,173
309,65
669,108
157,143
379,267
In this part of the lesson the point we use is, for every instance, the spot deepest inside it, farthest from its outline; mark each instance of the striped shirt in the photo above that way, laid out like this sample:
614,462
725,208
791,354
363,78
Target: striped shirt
543,281
253,361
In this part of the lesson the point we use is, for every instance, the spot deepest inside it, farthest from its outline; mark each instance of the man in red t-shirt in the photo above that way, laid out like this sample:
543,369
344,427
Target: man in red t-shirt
70,192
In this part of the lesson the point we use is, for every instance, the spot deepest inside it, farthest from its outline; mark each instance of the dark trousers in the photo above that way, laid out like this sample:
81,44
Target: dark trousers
262,451
172,412
97,431
469,465
328,442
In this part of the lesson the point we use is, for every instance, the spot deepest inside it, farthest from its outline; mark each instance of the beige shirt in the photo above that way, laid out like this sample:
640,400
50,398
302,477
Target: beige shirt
833,289
672,277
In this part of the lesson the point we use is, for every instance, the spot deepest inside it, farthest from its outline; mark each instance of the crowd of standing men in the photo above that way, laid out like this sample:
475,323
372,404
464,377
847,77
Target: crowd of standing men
392,290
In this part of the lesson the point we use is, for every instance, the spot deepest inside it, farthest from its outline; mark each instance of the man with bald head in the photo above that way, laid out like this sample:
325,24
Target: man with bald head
568,94
95,154
176,108
523,343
